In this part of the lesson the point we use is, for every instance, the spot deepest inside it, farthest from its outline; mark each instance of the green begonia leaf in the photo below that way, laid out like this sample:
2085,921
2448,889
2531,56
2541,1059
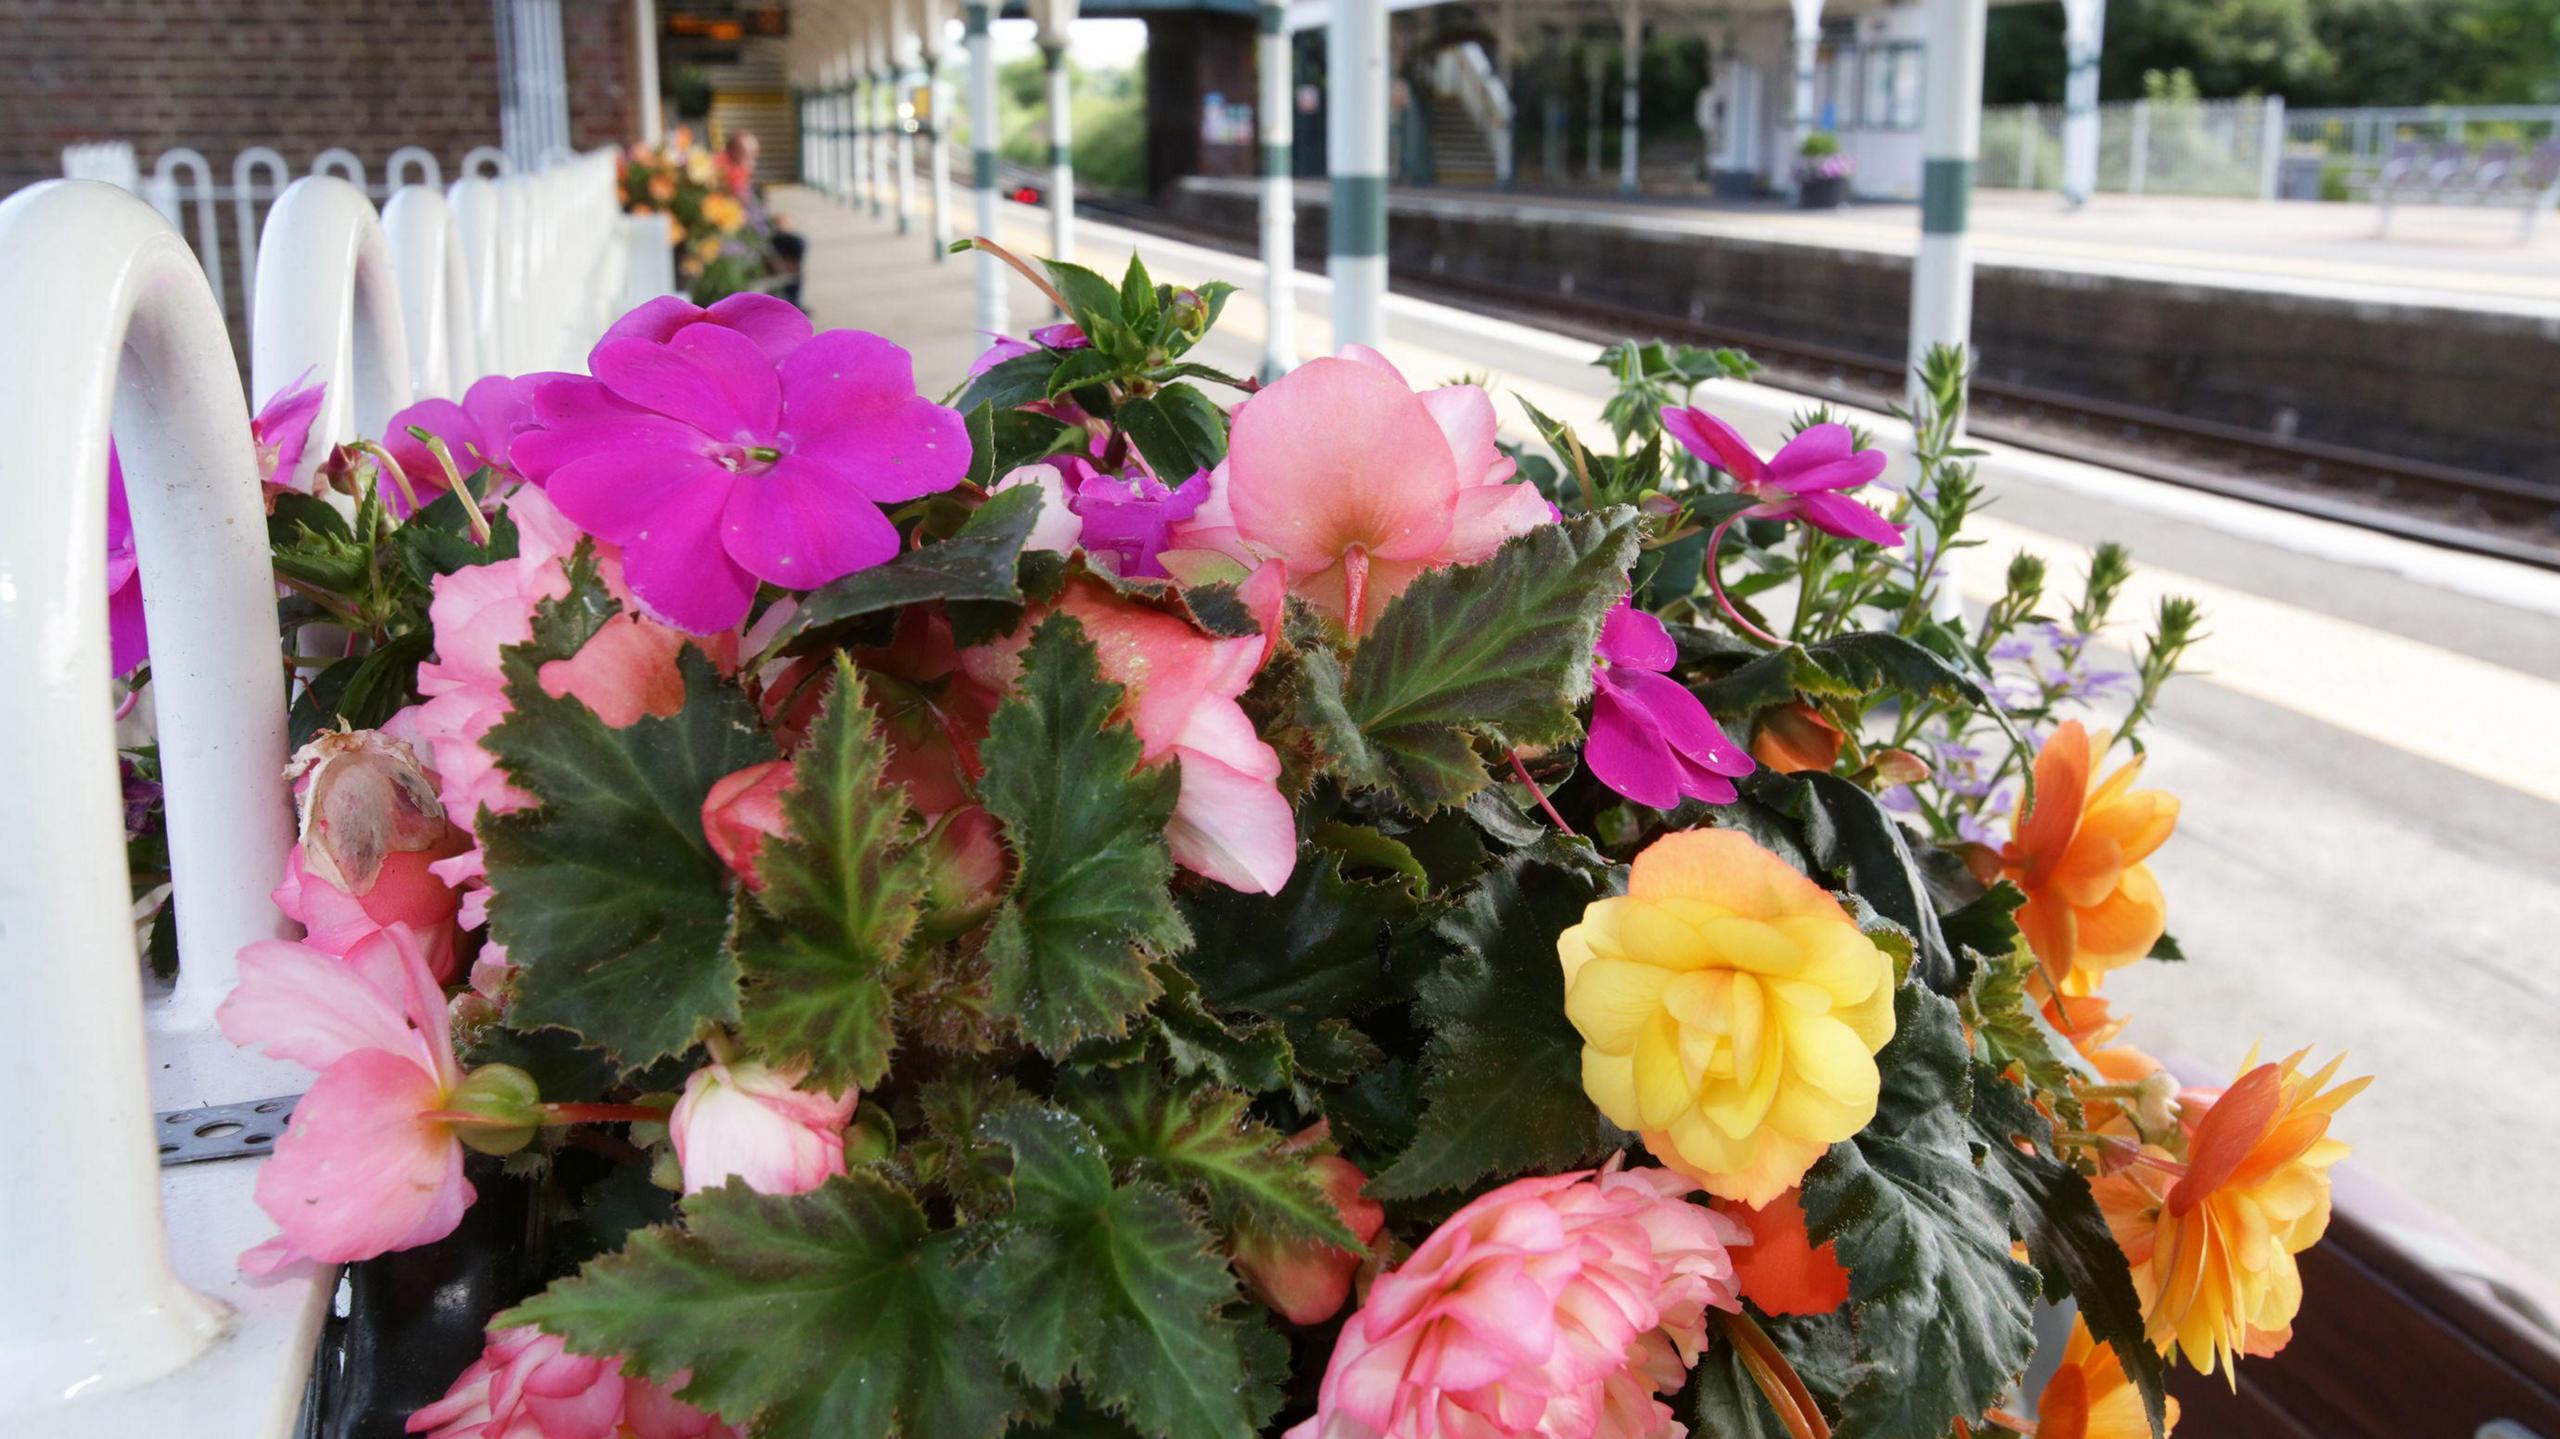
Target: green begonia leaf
977,563
1193,1138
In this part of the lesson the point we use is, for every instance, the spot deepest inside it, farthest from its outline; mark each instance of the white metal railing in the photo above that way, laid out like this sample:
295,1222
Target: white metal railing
126,1314
2165,146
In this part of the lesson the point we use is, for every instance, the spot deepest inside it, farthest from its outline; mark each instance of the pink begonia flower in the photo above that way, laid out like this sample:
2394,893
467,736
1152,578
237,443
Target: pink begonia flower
741,809
1557,1307
359,797
128,639
712,467
1342,473
1799,481
777,326
1651,739
481,430
1307,1280
405,891
360,1170
1230,821
526,1385
752,1121
281,432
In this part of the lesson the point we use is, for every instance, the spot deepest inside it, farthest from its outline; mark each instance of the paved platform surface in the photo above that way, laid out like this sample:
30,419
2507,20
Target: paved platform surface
2369,854
2459,255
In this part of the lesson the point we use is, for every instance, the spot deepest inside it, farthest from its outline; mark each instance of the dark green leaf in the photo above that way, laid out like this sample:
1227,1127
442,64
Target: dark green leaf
842,892
606,894
1070,948
1011,384
1857,846
976,563
1199,1139
1151,427
1502,1088
363,691
1092,301
1137,297
1113,1286
828,1315
1253,1055
1315,951
1871,661
1500,650
1202,425
1081,368
1726,1402
982,446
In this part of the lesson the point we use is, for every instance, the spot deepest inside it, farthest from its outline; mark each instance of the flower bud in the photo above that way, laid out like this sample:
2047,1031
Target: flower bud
506,1101
750,1120
872,1137
1900,766
1190,312
1307,1280
2155,1102
741,810
361,796
1794,738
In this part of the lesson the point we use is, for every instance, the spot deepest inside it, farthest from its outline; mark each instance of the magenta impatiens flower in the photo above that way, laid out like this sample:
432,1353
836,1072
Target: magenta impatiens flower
1131,520
281,430
777,326
714,466
481,430
1801,481
128,643
1651,739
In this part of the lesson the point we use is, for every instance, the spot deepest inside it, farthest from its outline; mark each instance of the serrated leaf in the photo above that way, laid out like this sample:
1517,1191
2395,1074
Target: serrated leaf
1070,948
2007,1028
1113,1286
828,1315
606,894
1201,1140
1199,420
975,564
841,892
1945,1316
1253,1055
1857,846
2067,1237
1502,1086
1726,1403
1500,650
1081,368
1314,951
1092,301
1870,661
1010,384
1137,296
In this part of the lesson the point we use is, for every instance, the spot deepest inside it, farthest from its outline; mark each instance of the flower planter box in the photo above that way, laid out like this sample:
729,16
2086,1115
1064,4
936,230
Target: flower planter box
1822,192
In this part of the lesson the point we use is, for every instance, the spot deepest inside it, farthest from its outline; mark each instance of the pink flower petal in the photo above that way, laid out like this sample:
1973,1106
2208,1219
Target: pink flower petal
306,1005
1846,518
1231,826
692,386
1364,355
1633,639
1626,751
851,405
1487,515
1465,416
1338,454
776,325
358,1172
625,670
744,373
799,525
1714,441
629,497
1824,457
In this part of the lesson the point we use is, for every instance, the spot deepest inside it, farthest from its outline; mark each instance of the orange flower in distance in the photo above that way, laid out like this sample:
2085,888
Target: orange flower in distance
2213,1258
1781,1270
2092,904
2089,1396
1794,738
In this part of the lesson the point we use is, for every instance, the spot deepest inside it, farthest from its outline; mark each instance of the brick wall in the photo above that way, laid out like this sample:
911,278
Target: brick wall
300,75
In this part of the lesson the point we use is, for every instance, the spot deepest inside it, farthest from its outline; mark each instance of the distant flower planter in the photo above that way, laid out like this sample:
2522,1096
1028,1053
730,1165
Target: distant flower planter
1822,192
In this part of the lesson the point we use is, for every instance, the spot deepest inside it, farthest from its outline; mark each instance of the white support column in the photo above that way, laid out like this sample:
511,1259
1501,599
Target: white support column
2084,24
2139,167
644,39
1273,114
1356,156
902,113
2271,146
982,162
1950,138
858,140
1807,46
1057,19
1506,60
937,142
1631,95
2030,140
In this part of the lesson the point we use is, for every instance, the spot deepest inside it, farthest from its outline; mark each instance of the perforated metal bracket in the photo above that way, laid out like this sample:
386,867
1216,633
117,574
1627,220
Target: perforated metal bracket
224,1131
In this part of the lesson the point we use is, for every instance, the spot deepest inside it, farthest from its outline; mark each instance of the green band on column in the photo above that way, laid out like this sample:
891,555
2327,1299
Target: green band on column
1357,226
1061,155
1946,192
1275,161
1052,57
982,165
1274,19
976,22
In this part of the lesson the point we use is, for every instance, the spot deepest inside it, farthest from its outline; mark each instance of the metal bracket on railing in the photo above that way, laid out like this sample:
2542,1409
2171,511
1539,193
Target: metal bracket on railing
244,1130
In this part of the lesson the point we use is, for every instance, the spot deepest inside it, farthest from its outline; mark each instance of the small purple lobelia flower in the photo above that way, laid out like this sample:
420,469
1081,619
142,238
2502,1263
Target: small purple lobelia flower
1131,519
1651,739
716,462
1799,481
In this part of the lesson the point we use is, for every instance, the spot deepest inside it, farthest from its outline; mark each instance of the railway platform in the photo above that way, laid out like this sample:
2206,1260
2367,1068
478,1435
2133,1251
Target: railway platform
2370,846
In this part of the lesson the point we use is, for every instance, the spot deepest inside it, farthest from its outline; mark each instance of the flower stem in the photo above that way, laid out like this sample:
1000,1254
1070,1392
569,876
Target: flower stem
453,476
981,242
1715,582
1779,1383
602,1114
1544,803
391,467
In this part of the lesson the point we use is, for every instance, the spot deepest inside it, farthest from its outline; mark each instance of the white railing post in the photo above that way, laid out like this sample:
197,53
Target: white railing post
131,338
329,302
2270,145
435,290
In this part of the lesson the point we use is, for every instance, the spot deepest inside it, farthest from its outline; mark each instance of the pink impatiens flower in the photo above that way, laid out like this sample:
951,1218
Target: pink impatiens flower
754,1122
1340,472
128,640
1651,739
714,467
481,430
775,325
1558,1307
1126,524
362,1169
527,1385
1800,481
281,431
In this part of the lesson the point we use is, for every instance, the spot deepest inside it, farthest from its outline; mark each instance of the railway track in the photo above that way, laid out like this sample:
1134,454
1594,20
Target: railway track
2459,509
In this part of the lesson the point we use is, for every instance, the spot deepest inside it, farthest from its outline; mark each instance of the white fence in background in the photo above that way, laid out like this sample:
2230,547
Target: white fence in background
2153,147
125,1315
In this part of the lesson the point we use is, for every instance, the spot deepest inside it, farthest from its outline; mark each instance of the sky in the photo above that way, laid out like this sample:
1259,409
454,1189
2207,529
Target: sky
1094,44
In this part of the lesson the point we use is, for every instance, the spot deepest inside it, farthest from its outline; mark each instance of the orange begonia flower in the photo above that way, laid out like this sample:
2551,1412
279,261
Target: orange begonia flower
2092,904
2213,1257
1781,1270
2089,1396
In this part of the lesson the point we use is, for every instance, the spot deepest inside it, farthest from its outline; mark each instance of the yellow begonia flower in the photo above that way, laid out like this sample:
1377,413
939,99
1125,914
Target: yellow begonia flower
1730,1012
